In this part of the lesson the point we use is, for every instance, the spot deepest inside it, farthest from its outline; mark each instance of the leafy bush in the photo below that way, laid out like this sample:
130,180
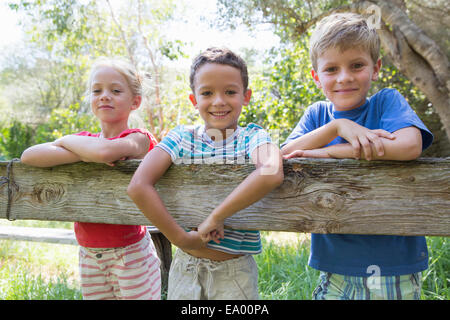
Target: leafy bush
63,122
15,138
18,136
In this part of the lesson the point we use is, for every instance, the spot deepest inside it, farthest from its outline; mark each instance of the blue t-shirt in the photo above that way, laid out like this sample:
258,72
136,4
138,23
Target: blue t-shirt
353,254
191,144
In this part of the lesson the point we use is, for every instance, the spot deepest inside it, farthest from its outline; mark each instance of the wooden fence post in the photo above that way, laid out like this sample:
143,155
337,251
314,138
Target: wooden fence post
164,249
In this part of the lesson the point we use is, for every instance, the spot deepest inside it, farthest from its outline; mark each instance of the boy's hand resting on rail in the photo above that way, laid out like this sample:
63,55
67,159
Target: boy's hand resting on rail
362,138
315,153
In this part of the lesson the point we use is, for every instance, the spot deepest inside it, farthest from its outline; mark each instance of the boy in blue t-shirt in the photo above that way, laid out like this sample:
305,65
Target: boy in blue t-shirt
344,53
213,262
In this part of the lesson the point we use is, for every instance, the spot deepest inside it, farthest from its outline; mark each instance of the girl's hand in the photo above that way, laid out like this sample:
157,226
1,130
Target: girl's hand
59,142
112,164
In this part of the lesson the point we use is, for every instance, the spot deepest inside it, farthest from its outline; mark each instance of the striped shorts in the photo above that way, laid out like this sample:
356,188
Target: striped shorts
126,273
339,287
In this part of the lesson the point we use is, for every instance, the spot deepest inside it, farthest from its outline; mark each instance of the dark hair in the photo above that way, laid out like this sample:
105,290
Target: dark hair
220,56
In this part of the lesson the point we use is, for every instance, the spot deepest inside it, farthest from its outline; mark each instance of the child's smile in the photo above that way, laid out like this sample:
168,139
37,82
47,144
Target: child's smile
105,107
219,96
220,114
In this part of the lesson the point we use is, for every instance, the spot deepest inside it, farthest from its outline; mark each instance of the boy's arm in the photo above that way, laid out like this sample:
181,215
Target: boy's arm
267,176
142,191
48,155
93,149
358,136
407,145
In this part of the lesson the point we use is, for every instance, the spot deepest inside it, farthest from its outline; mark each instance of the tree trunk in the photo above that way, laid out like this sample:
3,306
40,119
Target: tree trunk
416,55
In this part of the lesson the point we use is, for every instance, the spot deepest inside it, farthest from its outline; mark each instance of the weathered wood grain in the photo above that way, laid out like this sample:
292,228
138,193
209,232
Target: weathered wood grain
318,195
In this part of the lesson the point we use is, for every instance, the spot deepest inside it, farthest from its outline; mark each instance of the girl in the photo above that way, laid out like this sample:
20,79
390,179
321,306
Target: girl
116,261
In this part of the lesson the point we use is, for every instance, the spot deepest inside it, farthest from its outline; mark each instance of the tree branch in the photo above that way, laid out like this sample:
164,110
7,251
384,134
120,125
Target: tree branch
122,34
156,76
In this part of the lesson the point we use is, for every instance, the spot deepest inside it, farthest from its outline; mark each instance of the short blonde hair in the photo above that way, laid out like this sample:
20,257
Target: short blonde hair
343,31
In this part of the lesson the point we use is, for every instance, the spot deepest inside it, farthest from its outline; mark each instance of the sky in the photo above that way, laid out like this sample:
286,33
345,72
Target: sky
196,31
10,31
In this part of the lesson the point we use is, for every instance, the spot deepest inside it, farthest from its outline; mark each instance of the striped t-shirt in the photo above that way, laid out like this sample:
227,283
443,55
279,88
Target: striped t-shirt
191,144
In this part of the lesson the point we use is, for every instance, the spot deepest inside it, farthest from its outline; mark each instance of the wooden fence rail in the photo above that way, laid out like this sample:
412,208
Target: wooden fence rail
318,195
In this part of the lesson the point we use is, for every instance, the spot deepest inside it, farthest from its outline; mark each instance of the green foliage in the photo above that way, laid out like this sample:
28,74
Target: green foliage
63,122
63,27
288,17
18,136
173,49
282,93
15,138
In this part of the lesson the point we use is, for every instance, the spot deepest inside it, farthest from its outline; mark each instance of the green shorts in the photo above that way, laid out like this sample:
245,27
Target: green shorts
338,287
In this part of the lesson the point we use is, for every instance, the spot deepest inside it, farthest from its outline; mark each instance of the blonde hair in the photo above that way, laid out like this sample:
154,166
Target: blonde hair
343,31
125,68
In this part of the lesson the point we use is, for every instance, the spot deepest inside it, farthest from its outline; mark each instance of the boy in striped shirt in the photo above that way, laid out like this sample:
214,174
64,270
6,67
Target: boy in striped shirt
212,262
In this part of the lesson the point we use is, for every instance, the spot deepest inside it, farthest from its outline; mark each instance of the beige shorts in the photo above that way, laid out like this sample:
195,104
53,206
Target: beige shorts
192,278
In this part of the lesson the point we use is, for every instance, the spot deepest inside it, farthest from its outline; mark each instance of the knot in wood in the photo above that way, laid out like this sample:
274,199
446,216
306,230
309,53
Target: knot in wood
329,200
332,226
296,167
48,193
193,167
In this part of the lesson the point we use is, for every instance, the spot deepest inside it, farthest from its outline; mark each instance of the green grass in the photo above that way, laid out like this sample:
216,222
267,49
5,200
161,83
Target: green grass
36,270
44,271
436,279
283,269
17,283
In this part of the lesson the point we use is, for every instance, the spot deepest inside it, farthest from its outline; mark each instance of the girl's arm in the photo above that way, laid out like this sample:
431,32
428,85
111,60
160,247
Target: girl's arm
92,149
358,136
407,145
266,177
142,191
48,155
